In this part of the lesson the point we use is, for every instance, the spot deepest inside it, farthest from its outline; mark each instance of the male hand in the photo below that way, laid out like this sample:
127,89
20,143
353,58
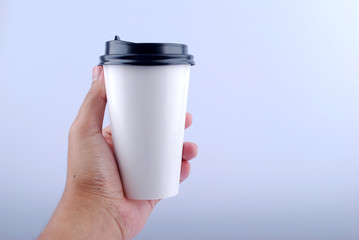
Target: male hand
93,205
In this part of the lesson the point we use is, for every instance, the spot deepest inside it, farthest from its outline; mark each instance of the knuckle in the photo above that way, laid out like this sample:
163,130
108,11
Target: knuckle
73,130
83,128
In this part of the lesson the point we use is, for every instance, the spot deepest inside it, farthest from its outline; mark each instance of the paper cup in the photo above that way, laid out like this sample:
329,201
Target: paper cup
146,87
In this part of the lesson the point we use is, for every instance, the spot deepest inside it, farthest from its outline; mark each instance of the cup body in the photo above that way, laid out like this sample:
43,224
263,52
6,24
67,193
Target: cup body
147,108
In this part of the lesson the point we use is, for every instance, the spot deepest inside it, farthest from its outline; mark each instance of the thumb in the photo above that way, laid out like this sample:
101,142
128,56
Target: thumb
90,116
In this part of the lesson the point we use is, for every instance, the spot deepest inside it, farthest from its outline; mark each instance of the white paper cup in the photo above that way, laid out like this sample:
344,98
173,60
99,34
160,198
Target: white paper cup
147,108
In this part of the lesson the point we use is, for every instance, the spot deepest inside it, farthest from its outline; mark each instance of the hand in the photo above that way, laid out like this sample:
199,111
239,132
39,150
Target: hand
93,205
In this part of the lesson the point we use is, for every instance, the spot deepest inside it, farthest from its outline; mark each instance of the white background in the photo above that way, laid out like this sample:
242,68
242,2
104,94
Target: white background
274,96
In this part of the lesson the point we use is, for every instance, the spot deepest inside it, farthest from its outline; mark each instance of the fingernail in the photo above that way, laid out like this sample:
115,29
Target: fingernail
96,73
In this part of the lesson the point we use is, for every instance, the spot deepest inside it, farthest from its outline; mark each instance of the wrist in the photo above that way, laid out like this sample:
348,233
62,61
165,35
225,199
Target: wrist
82,216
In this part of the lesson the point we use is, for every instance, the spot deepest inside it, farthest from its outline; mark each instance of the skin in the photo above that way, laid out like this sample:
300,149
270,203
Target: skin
93,205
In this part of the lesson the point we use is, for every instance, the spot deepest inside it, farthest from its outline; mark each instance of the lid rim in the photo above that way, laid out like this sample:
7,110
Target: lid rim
106,60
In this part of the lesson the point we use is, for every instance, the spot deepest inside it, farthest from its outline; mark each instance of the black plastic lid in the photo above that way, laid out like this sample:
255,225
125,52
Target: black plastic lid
147,54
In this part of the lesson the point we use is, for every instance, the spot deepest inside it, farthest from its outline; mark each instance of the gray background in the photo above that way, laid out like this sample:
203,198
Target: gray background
274,97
